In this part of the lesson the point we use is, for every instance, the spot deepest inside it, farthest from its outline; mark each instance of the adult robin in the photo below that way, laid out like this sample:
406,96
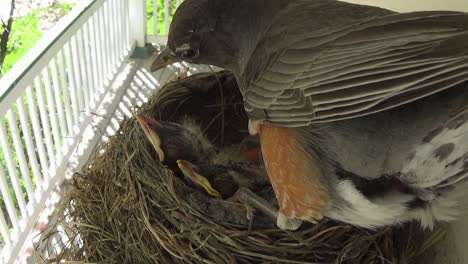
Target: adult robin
361,111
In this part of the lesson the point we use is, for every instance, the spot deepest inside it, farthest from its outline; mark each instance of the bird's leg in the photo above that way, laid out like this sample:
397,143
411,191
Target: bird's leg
245,195
253,202
250,216
250,211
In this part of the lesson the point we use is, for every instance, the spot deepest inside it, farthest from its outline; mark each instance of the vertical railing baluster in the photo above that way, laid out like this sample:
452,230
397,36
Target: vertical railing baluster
65,84
102,43
155,17
111,28
52,112
5,232
102,33
45,123
12,170
41,149
32,156
58,98
73,83
166,17
88,67
123,24
84,92
98,51
123,6
10,206
91,60
115,22
118,16
106,25
127,24
77,72
23,165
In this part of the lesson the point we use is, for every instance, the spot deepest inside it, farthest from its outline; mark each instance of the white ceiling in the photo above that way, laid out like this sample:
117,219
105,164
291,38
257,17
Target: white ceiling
416,5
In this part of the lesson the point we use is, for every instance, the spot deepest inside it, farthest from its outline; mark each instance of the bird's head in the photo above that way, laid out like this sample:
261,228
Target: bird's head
173,141
214,32
151,129
193,173
196,35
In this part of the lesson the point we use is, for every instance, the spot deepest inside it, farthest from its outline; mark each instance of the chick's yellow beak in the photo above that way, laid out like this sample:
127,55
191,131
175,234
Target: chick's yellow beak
150,126
190,171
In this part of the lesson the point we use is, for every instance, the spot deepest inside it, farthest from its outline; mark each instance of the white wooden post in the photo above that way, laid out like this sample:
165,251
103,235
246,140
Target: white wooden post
137,17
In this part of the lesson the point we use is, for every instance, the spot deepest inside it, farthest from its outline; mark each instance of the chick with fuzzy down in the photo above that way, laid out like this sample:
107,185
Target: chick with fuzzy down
231,173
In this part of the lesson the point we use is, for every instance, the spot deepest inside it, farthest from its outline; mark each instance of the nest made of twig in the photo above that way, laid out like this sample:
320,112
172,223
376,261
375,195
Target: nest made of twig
125,207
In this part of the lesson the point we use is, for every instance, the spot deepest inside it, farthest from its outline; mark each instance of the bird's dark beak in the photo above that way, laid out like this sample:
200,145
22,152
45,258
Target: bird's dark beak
191,172
150,126
165,58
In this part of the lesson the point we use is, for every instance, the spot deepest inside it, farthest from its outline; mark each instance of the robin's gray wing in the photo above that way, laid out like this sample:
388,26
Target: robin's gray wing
357,70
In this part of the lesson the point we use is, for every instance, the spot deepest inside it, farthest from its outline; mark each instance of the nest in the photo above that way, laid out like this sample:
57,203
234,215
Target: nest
125,207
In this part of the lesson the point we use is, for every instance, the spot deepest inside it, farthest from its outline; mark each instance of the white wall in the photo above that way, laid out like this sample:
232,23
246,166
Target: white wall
416,5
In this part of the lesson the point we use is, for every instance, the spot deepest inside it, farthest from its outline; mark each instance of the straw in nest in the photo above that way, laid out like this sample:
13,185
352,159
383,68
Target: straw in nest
125,207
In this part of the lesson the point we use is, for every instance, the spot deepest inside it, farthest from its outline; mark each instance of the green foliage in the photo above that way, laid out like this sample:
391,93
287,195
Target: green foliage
25,32
149,17
160,7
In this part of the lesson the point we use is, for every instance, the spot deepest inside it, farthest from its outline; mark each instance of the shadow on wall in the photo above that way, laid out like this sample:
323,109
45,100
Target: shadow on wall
416,5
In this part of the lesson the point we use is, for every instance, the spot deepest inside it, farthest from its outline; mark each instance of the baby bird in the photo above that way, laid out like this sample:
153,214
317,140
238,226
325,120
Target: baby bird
230,173
222,180
173,141
237,182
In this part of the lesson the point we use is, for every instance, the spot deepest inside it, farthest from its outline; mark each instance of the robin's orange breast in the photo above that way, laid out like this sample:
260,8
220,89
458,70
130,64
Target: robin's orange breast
293,173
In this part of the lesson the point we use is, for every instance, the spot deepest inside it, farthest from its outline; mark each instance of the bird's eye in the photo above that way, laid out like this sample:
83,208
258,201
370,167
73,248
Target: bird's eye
188,54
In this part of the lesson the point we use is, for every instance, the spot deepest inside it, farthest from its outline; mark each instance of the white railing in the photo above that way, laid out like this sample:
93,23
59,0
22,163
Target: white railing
161,22
46,100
